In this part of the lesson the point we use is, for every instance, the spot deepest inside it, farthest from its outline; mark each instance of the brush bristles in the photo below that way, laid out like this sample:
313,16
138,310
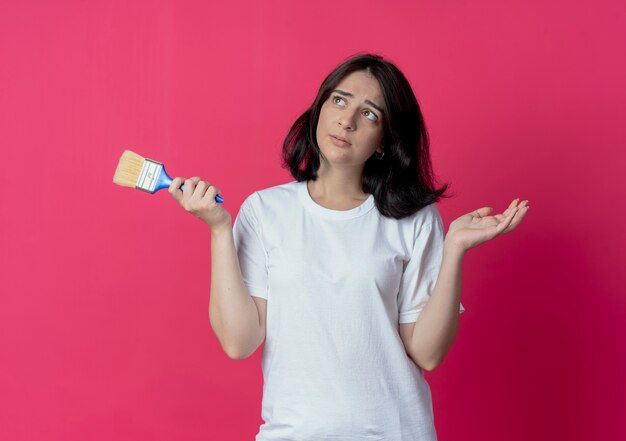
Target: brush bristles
128,169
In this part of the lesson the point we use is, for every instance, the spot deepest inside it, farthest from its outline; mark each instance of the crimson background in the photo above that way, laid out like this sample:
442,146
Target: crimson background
104,330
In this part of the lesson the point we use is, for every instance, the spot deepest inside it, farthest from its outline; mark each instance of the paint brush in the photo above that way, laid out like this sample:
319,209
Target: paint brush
145,174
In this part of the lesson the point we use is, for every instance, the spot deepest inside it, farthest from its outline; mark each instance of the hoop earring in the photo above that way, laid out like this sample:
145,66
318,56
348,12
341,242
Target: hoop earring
381,155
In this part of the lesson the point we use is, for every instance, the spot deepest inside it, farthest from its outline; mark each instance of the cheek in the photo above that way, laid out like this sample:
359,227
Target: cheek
324,116
376,138
323,121
320,128
320,123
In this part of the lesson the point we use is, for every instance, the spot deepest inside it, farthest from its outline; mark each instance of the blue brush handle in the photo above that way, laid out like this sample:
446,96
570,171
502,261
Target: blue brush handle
164,181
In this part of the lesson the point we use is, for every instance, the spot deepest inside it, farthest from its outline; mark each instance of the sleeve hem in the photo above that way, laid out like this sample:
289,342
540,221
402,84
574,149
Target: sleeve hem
411,316
256,291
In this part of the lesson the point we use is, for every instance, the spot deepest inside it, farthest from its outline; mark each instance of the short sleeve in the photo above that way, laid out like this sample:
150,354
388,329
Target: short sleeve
250,250
421,271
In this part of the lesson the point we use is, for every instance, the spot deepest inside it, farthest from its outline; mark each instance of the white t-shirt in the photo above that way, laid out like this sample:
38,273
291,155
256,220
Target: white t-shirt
337,284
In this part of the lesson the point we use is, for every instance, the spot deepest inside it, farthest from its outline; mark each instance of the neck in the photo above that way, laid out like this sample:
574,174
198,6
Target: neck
338,186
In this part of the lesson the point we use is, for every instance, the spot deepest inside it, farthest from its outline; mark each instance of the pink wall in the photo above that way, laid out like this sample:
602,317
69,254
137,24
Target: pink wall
104,330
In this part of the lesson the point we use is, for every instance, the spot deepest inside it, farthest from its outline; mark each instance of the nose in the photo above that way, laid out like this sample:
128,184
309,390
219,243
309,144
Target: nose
347,120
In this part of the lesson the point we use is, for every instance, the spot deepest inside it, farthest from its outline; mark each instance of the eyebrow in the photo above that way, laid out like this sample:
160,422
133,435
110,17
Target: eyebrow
349,95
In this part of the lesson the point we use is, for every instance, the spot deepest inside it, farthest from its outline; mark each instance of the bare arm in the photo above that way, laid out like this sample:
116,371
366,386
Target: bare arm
428,340
237,320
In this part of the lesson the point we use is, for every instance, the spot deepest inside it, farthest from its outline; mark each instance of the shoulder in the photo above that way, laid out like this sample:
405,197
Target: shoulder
422,225
279,191
425,217
430,214
271,198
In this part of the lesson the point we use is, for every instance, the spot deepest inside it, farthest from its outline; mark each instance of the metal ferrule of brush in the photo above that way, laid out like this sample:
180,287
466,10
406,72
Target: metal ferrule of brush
151,176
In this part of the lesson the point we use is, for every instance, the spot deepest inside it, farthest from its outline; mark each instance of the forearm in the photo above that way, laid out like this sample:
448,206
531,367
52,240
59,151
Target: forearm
233,314
436,326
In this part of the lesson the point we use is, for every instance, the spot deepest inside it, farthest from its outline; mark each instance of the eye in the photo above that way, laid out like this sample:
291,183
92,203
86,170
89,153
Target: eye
370,115
338,100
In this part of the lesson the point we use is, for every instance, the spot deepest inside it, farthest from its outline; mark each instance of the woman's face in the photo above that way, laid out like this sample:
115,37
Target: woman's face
350,126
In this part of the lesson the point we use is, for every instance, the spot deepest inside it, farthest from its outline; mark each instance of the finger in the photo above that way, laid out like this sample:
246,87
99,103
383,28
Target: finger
175,190
502,226
190,186
201,189
511,206
209,196
481,212
521,211
506,212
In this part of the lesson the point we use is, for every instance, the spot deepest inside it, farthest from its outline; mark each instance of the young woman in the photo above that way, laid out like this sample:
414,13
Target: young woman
345,272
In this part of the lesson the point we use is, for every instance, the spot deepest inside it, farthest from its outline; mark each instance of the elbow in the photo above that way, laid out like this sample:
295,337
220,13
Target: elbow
423,364
430,365
236,355
435,360
232,350
239,348
239,353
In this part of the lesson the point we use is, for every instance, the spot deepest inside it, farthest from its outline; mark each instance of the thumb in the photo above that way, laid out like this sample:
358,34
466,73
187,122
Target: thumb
481,212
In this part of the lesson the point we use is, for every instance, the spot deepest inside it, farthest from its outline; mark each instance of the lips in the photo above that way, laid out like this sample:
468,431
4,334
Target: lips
341,139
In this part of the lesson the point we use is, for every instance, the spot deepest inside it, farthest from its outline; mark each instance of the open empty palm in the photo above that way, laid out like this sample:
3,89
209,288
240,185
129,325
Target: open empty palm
479,226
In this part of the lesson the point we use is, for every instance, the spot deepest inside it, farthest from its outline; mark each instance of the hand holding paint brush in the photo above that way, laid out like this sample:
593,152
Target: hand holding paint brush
197,197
